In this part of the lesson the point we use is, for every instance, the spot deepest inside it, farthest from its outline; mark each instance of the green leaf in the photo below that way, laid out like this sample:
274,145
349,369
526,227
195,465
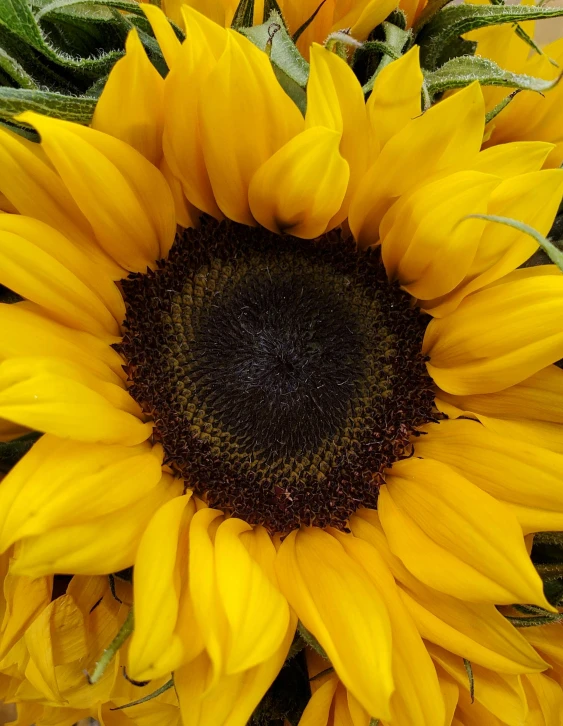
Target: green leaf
127,5
432,8
553,252
244,15
12,451
17,100
460,72
283,51
452,22
166,687
16,15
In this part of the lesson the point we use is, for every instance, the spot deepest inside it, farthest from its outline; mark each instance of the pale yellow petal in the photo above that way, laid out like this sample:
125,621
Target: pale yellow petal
456,538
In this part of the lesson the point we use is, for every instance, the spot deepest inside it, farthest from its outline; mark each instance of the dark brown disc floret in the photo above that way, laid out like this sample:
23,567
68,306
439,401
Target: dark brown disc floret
283,376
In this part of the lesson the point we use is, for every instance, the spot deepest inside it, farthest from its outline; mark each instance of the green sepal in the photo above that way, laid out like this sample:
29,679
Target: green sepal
469,670
271,6
12,451
18,75
155,694
302,28
244,15
432,8
14,101
494,112
86,8
452,22
109,653
460,72
395,40
311,641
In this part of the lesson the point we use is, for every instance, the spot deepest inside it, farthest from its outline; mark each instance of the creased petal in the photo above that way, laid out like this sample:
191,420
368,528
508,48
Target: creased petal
123,196
498,336
426,241
302,185
157,647
315,571
34,396
102,545
396,96
448,135
60,481
245,118
476,631
131,105
455,537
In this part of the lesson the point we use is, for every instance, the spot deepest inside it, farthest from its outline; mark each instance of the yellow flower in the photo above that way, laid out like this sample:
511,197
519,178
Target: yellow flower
360,17
529,116
52,632
264,425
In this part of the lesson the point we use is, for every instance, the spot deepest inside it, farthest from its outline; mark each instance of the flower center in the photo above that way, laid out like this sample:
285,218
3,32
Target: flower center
283,376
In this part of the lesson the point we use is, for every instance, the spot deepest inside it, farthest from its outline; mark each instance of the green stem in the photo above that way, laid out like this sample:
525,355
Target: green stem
108,654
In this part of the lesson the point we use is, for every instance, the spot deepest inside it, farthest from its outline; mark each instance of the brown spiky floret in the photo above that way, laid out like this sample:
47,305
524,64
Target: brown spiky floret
283,376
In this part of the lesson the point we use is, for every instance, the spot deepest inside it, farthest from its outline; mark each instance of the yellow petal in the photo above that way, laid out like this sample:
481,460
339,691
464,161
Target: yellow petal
300,187
395,99
426,241
156,646
317,712
448,135
35,189
131,105
499,693
186,214
545,700
183,145
503,248
245,118
356,636
257,614
163,32
33,396
364,20
455,537
102,545
25,599
123,196
498,336
417,699
476,631
44,278
335,100
59,481
25,333
520,473
518,157
232,700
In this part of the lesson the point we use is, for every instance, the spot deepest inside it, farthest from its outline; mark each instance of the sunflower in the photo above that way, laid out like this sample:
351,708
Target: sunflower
529,116
285,368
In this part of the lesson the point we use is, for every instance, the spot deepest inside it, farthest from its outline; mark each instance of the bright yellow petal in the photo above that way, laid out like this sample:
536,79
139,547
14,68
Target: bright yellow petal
499,693
335,100
417,699
123,196
498,336
519,473
455,537
364,17
426,241
131,105
476,631
518,157
245,118
163,32
33,396
257,614
60,481
396,96
317,711
315,571
156,646
448,135
545,700
300,187
25,333
99,546
35,189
